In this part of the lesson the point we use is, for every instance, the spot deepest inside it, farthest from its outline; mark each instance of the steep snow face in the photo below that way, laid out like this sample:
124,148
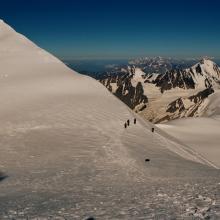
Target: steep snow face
205,74
210,68
65,149
138,75
15,44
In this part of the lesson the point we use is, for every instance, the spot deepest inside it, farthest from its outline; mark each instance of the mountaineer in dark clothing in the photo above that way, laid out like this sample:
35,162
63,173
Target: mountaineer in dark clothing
90,218
2,176
125,125
152,130
135,121
128,122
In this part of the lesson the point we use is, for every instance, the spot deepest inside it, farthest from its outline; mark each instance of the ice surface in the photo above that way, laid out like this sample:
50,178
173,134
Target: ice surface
68,156
202,134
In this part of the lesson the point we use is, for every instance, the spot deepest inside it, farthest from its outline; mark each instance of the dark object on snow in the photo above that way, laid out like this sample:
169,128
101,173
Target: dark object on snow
128,122
135,121
125,125
147,160
152,129
2,176
90,218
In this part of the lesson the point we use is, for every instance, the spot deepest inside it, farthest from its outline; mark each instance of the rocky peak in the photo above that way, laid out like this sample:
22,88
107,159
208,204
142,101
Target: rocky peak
204,74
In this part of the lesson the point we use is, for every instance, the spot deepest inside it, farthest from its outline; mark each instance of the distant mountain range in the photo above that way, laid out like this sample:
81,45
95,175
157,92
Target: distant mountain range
160,90
101,68
160,64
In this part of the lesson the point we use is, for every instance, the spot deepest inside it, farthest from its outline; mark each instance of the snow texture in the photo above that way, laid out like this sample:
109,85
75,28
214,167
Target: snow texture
202,134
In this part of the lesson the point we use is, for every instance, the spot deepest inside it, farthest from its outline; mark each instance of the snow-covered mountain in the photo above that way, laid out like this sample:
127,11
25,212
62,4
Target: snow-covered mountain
153,64
67,155
126,89
203,75
174,94
160,64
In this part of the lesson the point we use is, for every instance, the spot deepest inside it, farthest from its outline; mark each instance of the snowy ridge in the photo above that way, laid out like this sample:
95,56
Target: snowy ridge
202,75
205,74
17,43
138,74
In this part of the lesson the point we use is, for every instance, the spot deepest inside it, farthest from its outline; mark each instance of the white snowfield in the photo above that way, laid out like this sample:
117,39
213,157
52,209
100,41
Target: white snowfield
201,134
67,155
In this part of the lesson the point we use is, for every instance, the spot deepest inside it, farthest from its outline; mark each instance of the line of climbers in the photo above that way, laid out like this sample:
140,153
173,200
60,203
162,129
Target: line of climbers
127,123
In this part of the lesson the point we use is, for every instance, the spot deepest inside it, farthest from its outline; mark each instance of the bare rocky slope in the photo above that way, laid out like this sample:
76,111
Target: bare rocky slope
161,97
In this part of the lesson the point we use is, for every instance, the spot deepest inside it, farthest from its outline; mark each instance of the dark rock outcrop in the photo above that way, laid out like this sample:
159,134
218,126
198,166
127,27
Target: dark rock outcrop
176,105
178,109
173,79
201,95
131,95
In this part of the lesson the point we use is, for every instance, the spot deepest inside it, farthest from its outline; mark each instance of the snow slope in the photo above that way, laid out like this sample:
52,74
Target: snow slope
213,105
202,134
67,155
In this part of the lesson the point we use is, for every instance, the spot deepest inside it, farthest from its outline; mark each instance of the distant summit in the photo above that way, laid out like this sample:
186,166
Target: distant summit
202,75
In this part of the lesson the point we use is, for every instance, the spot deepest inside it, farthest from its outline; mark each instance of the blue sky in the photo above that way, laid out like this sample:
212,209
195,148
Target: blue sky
77,29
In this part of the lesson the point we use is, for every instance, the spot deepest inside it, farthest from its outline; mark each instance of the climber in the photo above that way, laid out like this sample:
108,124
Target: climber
135,120
128,122
2,176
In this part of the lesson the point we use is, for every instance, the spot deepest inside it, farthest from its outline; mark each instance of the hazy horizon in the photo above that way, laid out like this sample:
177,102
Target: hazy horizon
118,30
102,65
